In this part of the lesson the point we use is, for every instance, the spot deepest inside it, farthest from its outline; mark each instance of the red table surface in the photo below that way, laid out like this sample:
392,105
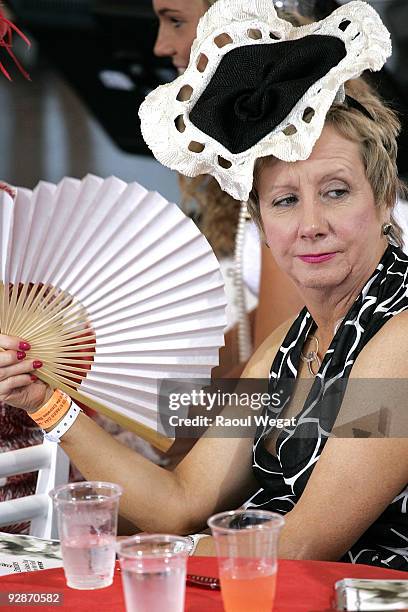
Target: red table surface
303,586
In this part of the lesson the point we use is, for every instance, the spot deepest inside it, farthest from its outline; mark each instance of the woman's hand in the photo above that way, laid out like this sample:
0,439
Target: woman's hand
19,387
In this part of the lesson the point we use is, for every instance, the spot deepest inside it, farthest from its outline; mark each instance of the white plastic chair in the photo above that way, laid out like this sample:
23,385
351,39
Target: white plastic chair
53,469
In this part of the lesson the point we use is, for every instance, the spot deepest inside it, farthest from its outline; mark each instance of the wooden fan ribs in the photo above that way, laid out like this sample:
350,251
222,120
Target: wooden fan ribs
56,326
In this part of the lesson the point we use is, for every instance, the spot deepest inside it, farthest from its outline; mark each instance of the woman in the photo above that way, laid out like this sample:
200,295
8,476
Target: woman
342,498
219,214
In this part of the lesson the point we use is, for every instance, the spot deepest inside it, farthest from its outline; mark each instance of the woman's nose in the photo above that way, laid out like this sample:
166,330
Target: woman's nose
313,223
163,46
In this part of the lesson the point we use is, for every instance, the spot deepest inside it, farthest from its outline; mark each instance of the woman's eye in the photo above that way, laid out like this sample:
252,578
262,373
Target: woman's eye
286,201
176,22
336,194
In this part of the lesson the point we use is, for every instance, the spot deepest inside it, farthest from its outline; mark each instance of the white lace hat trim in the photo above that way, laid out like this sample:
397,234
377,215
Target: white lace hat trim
229,24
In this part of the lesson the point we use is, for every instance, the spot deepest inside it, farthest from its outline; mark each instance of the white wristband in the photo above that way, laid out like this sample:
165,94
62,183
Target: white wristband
194,539
59,430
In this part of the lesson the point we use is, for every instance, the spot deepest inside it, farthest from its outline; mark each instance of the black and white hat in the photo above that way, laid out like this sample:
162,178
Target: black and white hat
258,86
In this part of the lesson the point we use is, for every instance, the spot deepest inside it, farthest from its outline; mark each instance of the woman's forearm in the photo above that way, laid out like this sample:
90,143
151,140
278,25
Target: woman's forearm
153,498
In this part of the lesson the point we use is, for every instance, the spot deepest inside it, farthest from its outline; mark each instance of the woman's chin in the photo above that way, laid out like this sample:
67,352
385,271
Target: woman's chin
321,280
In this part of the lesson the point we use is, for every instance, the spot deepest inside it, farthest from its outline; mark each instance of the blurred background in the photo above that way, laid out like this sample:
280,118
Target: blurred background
92,64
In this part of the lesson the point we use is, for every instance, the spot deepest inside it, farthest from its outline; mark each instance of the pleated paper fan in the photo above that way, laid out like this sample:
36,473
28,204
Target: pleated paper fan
115,289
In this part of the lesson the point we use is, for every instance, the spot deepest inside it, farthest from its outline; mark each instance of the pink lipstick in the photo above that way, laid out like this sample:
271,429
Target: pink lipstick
318,258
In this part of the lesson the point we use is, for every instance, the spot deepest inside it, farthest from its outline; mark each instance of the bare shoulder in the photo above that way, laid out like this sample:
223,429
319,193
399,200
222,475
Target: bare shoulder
260,363
386,354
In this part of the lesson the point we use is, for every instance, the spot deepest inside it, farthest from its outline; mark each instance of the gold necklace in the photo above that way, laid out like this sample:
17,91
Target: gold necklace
312,357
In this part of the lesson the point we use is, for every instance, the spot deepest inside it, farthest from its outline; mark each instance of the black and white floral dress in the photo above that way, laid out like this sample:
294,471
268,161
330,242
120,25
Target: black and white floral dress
283,478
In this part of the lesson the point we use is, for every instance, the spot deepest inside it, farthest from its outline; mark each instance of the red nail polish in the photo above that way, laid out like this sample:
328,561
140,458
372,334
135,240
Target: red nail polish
33,377
37,365
24,346
20,355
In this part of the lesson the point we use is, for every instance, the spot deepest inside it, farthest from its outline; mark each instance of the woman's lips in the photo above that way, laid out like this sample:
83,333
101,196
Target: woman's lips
318,258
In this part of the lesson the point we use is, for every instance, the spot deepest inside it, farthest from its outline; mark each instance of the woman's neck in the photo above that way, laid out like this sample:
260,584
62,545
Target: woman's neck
327,314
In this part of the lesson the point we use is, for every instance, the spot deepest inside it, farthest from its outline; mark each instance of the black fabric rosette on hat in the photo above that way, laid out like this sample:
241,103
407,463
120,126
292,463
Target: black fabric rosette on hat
256,86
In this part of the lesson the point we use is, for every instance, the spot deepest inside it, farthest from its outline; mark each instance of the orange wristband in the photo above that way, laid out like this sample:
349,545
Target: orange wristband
53,411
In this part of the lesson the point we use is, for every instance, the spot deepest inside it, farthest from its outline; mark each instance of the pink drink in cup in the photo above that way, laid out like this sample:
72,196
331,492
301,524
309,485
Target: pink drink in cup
246,542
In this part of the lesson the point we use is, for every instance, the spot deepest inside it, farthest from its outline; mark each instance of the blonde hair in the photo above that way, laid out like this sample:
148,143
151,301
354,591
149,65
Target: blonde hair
217,212
377,141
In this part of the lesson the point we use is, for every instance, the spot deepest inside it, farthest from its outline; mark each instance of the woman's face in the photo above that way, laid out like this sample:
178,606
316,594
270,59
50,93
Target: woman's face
178,20
320,218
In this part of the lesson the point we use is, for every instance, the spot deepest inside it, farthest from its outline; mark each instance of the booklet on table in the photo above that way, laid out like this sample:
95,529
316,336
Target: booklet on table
24,553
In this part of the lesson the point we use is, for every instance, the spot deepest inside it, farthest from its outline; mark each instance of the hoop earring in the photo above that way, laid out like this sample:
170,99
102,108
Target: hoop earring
386,229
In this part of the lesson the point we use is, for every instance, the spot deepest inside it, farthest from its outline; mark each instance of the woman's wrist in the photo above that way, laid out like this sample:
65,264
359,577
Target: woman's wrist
46,398
53,411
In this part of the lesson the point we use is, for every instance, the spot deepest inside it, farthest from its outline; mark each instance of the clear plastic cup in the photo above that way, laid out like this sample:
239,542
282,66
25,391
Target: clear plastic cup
154,572
87,525
246,543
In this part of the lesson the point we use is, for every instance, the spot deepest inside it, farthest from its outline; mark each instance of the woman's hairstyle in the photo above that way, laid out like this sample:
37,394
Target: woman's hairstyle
215,211
377,140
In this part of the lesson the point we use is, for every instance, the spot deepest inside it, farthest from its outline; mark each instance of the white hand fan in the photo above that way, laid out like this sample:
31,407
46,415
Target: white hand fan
115,289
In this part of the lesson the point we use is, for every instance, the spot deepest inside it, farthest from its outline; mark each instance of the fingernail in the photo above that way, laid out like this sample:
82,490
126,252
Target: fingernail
33,377
24,346
37,365
20,355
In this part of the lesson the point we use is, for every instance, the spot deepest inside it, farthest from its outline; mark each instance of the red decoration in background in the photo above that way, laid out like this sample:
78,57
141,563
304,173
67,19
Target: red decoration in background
7,188
7,28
